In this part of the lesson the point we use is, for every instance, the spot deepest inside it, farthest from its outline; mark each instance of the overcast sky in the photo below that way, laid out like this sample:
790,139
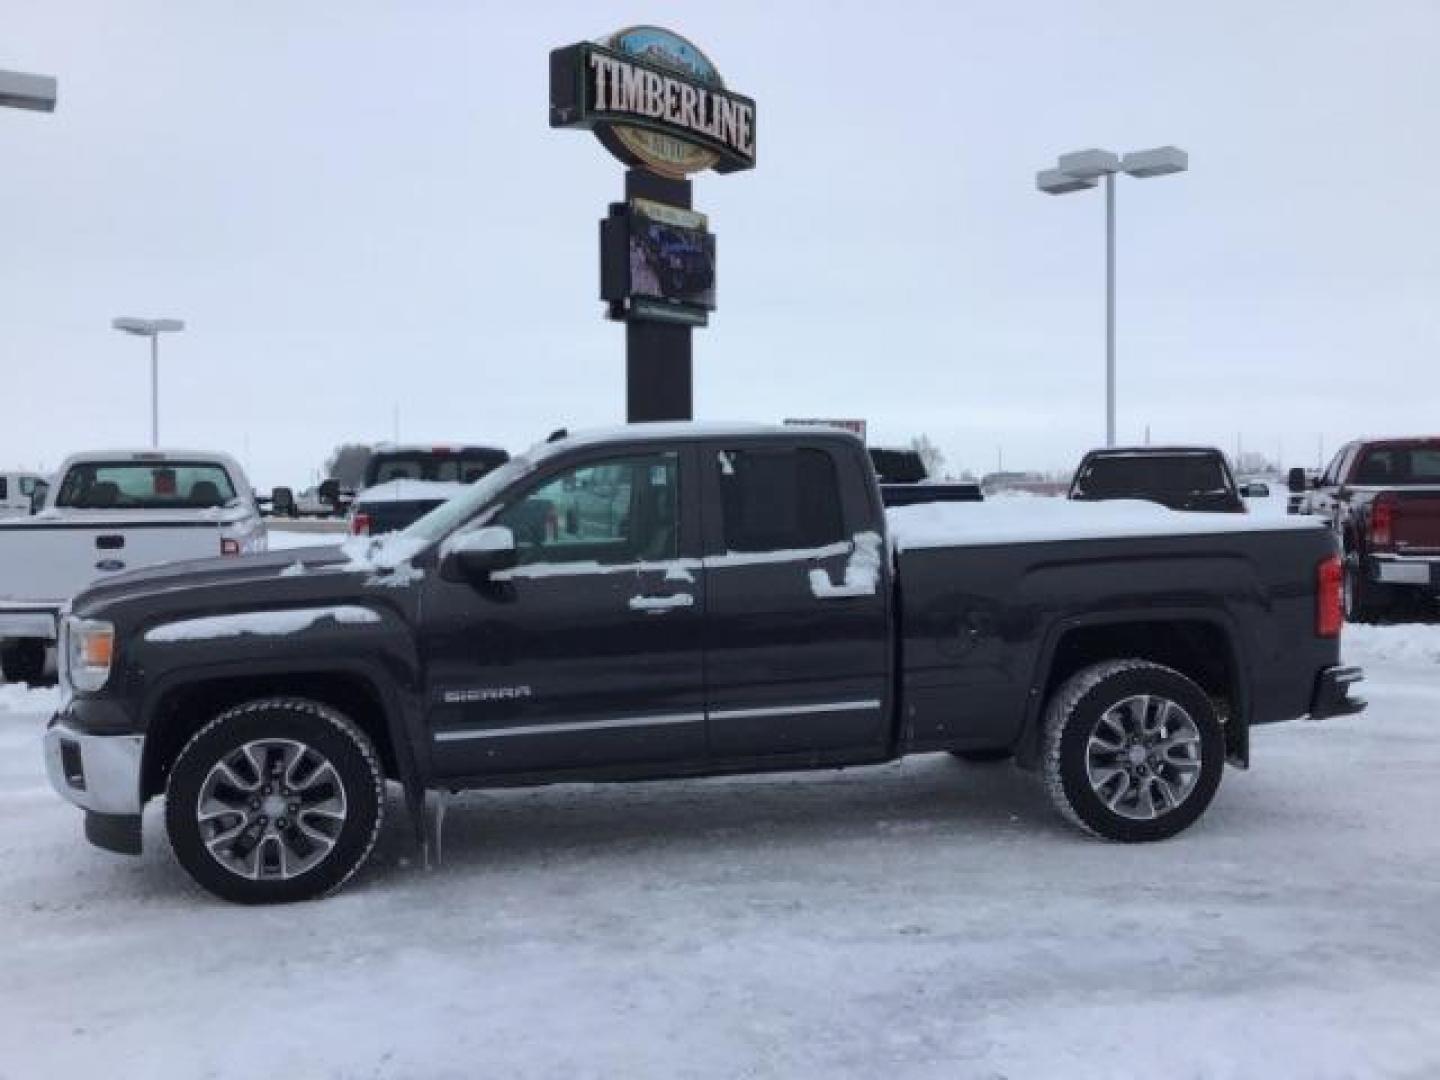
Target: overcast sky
359,206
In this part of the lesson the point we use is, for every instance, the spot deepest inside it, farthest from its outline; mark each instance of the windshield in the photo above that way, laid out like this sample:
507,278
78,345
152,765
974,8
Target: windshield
1397,466
448,515
1151,475
145,485
463,466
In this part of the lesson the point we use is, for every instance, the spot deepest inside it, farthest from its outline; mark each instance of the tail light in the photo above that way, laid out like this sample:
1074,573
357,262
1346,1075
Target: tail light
1382,522
229,546
360,524
1329,603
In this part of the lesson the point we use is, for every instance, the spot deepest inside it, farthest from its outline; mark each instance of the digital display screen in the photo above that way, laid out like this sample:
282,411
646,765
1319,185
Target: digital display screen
672,255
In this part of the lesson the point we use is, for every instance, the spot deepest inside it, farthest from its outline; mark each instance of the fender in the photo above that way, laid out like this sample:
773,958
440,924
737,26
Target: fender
401,704
1027,747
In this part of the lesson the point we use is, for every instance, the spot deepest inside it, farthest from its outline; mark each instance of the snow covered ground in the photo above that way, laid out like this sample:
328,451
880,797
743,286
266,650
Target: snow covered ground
921,919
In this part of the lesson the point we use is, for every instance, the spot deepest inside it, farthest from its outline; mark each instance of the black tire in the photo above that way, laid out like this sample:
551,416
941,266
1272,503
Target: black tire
1365,600
332,739
23,660
1075,713
982,757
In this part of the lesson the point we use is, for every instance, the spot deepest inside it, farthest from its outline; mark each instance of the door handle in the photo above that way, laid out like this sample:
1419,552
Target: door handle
659,605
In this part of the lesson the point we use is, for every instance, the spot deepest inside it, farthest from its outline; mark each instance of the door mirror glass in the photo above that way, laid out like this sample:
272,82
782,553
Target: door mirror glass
1297,481
37,495
473,556
282,502
1255,490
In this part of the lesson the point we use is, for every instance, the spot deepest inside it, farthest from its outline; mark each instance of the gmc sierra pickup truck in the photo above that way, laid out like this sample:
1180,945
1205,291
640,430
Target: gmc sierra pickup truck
716,599
1382,498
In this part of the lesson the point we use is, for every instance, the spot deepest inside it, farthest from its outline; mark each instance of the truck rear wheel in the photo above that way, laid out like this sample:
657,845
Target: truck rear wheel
23,660
1132,751
274,801
1365,601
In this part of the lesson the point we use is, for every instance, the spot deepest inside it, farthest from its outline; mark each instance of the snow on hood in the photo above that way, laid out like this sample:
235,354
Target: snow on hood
412,491
1012,521
262,623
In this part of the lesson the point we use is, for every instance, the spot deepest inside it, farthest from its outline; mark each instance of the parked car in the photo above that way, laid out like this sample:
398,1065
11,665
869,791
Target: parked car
403,483
17,490
745,614
1180,477
110,512
905,481
1382,498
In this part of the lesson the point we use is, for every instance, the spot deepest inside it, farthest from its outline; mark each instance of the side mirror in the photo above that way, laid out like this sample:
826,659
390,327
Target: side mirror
329,492
37,496
1297,481
1255,490
282,502
473,556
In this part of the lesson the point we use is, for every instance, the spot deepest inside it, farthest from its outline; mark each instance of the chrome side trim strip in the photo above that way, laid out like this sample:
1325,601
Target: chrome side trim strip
560,729
796,710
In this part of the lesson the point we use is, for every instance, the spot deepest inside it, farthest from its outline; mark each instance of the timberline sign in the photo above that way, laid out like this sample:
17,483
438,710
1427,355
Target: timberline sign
654,100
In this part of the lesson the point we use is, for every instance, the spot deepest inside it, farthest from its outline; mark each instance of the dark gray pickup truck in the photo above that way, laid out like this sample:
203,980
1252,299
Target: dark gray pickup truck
705,600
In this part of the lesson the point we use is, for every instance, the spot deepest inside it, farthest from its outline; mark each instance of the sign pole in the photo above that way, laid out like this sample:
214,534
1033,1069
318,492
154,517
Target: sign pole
659,382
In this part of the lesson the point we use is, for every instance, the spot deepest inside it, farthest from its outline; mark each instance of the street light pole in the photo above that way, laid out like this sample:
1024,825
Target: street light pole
1082,170
1109,309
151,328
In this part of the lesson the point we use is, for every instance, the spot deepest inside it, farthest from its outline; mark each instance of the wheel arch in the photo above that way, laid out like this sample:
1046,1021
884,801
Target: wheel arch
1201,644
181,707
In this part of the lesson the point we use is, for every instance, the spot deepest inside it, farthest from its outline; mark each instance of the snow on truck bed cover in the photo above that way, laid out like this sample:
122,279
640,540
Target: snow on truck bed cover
1015,521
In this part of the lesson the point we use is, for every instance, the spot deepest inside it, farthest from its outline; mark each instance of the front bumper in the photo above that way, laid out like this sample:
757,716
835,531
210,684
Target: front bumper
1332,693
1421,570
101,775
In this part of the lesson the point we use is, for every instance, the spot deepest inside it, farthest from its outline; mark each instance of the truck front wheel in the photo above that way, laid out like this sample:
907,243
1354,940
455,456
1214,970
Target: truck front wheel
1132,751
275,800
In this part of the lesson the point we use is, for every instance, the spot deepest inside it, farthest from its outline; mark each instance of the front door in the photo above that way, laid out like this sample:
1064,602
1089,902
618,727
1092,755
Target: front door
586,655
797,628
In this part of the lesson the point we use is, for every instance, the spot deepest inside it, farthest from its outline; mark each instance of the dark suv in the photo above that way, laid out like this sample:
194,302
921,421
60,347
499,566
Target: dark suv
1180,477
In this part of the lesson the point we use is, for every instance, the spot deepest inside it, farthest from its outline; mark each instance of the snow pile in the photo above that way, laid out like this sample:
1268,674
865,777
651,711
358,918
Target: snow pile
862,571
1012,521
1370,646
262,623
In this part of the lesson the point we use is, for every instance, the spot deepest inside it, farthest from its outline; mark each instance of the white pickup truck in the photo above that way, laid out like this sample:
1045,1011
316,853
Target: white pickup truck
109,512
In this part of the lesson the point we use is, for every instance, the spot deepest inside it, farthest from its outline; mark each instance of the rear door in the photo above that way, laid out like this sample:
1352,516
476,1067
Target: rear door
797,593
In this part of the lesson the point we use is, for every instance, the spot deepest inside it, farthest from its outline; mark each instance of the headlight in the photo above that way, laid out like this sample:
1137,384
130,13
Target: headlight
89,648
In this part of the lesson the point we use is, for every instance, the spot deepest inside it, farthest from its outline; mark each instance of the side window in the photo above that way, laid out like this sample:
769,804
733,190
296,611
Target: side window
776,500
613,512
27,486
4,487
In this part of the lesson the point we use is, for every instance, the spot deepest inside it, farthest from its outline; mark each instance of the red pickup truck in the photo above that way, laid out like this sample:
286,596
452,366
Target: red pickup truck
1382,496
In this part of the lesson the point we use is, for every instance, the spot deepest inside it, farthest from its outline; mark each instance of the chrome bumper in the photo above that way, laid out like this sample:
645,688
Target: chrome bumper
19,620
99,773
1406,569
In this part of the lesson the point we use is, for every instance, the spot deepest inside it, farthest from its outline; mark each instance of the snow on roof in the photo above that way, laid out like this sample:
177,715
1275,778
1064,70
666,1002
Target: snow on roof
1016,521
694,429
412,490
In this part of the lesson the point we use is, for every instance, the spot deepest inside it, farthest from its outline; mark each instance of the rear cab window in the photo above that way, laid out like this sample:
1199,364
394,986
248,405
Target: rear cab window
1398,465
145,485
1120,476
460,466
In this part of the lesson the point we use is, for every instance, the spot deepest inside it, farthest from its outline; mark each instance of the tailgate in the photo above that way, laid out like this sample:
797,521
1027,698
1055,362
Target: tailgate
52,561
1416,522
